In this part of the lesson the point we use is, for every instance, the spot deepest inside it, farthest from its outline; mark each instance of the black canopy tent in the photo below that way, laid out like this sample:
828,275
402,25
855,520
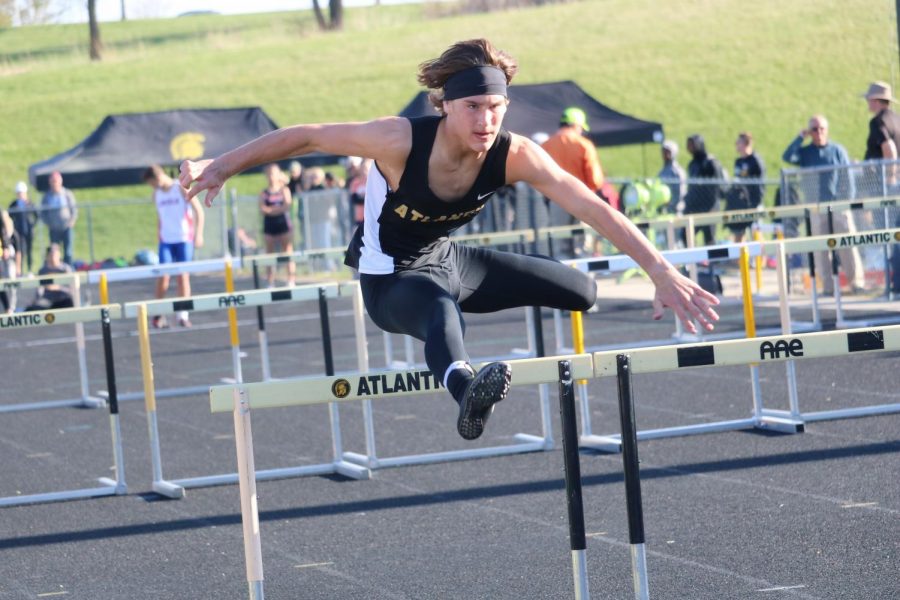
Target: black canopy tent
123,146
536,108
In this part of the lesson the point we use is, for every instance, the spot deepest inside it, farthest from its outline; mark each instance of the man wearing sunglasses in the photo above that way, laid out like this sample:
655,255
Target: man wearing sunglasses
825,185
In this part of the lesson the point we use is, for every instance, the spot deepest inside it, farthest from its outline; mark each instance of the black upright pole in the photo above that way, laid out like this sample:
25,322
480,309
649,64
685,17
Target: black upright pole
326,332
260,318
809,256
110,366
113,400
572,463
632,477
538,327
570,456
630,451
834,256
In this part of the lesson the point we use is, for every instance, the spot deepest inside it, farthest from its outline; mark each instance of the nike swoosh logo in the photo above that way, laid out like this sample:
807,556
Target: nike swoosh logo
483,196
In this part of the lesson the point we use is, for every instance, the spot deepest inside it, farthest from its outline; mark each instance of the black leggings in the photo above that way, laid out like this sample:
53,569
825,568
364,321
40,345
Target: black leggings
427,303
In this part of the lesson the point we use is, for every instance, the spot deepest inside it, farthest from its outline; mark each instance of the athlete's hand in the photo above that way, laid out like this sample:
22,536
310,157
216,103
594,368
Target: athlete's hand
200,175
687,299
198,240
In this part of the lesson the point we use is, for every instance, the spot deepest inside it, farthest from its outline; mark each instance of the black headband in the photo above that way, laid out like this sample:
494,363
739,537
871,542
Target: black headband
475,81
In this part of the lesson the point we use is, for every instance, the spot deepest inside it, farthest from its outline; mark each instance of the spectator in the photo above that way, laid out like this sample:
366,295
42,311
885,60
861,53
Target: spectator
883,143
577,156
357,176
830,184
180,226
8,252
24,216
275,205
59,213
747,166
53,295
701,196
672,174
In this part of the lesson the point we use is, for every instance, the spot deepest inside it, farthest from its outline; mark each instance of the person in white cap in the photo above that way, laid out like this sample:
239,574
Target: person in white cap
24,216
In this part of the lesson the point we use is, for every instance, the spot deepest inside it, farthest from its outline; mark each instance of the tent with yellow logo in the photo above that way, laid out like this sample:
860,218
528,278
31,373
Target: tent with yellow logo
123,146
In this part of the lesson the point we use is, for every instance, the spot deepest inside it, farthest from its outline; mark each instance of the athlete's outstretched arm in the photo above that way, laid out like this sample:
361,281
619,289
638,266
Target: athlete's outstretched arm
529,163
387,139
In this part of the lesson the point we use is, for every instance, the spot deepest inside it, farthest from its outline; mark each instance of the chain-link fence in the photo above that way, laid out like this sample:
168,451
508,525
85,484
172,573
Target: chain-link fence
868,266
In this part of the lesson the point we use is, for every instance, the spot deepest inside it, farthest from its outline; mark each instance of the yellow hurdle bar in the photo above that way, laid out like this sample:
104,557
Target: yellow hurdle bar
748,351
370,386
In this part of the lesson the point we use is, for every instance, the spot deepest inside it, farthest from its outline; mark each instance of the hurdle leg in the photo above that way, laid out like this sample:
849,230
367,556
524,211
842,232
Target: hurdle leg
793,415
572,464
632,479
370,460
159,485
86,399
341,466
263,335
113,402
243,438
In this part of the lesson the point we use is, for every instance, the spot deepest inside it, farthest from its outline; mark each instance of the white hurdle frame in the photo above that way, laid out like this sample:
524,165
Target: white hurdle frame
790,421
110,487
86,400
152,272
727,353
243,398
175,488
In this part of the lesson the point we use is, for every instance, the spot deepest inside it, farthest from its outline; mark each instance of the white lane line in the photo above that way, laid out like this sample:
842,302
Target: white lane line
859,505
313,565
48,594
782,588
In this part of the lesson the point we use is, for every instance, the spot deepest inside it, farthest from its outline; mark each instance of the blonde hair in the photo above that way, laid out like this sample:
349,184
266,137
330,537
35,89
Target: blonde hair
434,73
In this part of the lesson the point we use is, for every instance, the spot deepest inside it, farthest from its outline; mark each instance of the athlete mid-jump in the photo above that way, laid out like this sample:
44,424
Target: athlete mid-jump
433,175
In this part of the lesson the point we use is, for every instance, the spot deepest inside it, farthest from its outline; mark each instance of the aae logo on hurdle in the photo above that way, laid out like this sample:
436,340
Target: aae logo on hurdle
775,350
232,300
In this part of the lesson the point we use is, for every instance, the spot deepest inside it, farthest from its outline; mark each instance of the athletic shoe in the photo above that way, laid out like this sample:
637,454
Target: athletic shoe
160,322
184,322
489,387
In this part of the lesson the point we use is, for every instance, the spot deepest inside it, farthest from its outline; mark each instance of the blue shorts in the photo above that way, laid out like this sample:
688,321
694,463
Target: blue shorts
172,253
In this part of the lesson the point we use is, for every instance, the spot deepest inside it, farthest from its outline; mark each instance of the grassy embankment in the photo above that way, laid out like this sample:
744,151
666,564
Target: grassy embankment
706,66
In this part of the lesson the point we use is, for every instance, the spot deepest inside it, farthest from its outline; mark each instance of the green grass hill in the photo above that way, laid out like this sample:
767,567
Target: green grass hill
715,67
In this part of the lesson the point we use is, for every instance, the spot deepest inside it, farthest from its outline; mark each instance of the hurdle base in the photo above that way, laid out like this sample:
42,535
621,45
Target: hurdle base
538,445
845,413
42,404
781,424
527,438
93,402
168,489
121,488
612,443
602,443
341,467
58,496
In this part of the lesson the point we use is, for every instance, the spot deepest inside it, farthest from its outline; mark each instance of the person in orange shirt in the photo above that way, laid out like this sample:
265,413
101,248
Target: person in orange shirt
577,155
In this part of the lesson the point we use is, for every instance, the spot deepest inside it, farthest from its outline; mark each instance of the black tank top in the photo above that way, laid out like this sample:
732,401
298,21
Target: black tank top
409,227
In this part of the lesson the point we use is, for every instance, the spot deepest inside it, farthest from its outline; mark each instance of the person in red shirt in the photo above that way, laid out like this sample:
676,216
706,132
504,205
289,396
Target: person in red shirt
577,156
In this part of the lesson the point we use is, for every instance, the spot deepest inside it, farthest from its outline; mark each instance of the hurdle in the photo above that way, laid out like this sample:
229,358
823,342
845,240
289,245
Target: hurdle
789,421
623,364
175,488
86,399
274,260
242,399
81,315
